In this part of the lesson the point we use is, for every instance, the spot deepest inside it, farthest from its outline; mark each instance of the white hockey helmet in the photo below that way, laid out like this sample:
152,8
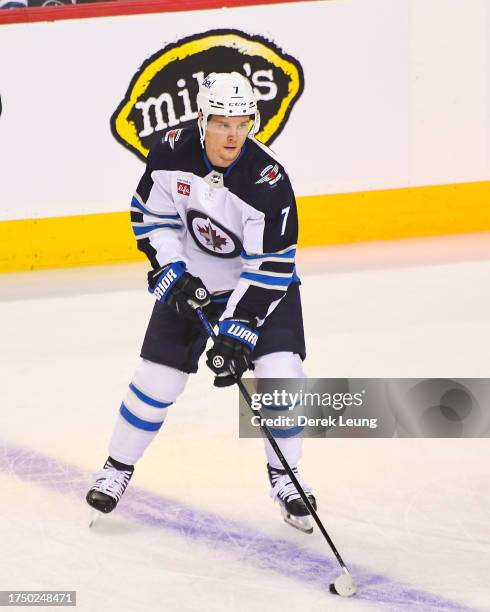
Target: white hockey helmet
228,94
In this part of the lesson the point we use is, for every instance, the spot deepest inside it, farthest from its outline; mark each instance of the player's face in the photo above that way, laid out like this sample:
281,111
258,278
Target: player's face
225,137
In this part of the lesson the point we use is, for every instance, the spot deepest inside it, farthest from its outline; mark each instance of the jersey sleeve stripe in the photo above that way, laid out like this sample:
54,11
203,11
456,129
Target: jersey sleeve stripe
155,223
145,231
267,281
286,267
133,209
136,203
271,274
288,253
279,288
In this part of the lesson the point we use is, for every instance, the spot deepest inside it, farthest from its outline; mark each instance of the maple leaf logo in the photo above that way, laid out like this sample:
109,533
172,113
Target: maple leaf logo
271,174
211,236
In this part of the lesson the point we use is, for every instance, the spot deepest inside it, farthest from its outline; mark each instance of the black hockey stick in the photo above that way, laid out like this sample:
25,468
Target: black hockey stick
344,585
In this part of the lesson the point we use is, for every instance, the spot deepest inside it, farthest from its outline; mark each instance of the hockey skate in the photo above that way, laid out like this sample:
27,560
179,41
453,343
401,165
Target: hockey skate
293,508
109,486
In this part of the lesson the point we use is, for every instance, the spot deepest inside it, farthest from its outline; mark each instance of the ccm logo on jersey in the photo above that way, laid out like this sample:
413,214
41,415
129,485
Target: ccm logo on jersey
270,174
183,188
164,283
172,136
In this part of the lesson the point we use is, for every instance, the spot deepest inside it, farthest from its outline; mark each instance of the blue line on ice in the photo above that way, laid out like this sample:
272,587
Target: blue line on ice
280,556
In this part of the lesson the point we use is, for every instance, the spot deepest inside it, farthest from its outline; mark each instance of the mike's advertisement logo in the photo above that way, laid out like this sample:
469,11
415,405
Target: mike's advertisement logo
162,94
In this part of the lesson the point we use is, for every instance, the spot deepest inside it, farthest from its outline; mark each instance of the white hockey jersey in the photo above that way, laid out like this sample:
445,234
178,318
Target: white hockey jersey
236,230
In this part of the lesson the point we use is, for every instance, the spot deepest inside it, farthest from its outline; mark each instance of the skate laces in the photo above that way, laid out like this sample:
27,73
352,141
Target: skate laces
111,481
285,490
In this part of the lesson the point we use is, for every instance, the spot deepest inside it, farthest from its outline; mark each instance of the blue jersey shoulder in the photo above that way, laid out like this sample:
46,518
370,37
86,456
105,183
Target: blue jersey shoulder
262,181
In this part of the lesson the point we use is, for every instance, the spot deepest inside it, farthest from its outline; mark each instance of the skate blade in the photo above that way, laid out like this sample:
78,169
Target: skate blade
94,517
302,523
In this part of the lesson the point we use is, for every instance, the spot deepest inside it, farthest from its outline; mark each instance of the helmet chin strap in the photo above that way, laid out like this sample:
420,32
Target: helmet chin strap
256,126
202,124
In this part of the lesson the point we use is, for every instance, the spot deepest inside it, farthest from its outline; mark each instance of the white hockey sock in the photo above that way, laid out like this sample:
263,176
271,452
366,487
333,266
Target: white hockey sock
281,365
153,389
291,448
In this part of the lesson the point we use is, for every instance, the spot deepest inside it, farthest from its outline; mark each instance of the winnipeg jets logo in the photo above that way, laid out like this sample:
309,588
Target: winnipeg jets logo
172,136
270,174
211,236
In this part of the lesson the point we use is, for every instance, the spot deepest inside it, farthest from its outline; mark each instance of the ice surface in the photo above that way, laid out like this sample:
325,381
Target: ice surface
196,530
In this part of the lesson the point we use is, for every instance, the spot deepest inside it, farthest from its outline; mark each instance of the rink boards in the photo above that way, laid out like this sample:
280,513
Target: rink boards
377,109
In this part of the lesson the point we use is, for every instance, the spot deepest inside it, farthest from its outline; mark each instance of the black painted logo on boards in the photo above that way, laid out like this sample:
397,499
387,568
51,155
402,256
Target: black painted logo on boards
162,94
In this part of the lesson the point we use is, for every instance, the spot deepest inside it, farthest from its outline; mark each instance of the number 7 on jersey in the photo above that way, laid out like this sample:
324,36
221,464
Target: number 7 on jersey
285,212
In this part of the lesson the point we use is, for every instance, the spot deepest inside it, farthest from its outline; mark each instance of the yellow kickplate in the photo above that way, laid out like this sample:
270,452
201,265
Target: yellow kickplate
57,242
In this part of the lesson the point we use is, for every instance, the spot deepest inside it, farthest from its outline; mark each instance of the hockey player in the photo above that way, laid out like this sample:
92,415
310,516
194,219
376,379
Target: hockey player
215,214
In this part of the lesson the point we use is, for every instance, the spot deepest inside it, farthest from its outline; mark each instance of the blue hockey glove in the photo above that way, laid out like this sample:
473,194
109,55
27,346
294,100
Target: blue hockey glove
230,355
174,286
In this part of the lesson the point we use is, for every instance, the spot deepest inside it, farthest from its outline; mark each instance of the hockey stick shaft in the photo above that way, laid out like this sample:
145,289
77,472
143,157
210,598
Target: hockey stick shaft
246,395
